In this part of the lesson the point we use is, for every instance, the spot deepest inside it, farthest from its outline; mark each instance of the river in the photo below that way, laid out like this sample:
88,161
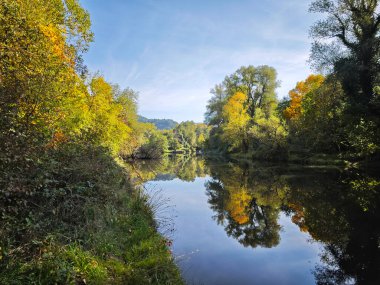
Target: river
250,223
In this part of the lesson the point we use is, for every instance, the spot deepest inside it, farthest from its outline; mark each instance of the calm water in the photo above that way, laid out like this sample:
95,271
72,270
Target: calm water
240,223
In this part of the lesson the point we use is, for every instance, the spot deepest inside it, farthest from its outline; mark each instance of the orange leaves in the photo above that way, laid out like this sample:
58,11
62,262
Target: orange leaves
239,204
57,43
299,216
57,139
296,95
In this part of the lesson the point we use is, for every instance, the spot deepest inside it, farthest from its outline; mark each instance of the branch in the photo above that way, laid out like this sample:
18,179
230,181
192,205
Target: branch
342,36
377,23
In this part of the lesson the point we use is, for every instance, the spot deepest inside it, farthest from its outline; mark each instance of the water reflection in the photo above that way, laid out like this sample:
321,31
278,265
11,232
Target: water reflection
340,209
345,217
186,168
247,203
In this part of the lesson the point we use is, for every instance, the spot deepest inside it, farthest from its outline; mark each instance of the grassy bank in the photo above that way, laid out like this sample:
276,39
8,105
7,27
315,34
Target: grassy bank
71,216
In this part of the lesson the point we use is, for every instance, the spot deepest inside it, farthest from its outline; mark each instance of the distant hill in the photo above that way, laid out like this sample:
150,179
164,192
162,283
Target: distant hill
161,124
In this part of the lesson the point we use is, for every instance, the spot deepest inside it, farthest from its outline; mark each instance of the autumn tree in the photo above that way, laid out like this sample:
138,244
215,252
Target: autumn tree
108,116
235,127
297,94
257,83
232,109
320,126
41,43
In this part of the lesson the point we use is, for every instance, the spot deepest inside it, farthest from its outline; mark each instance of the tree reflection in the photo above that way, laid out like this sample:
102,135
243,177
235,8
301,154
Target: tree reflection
247,202
345,217
186,168
339,209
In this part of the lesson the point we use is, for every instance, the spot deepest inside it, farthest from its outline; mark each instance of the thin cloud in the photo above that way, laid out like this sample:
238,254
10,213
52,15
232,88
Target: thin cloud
174,52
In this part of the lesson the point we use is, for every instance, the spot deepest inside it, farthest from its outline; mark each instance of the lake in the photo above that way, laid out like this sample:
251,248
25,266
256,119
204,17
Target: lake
249,223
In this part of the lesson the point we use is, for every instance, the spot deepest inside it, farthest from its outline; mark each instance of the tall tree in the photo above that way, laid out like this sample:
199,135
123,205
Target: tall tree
40,47
213,116
258,83
231,112
348,42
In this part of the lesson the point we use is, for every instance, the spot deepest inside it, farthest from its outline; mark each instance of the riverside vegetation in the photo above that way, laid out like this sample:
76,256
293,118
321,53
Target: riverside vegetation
335,115
69,212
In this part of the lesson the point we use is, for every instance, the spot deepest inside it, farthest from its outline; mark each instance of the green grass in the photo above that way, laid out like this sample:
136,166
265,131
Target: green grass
78,220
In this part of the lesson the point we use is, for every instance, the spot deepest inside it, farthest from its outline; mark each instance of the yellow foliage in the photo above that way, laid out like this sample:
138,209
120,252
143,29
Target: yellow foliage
235,109
57,41
238,205
201,139
107,126
236,120
58,138
43,95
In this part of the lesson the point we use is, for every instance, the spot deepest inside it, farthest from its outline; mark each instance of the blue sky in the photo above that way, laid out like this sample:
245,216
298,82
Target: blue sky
174,51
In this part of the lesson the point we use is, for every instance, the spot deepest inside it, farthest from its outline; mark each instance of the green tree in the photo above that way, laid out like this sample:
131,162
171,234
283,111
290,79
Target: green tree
258,83
214,113
155,146
232,109
319,124
347,43
354,53
269,137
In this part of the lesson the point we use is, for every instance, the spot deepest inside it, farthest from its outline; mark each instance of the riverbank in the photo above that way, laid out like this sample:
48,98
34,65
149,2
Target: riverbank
337,160
72,216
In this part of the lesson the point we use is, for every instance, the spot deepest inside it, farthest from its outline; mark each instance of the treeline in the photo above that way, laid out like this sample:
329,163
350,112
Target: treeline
187,137
334,113
48,98
161,124
68,213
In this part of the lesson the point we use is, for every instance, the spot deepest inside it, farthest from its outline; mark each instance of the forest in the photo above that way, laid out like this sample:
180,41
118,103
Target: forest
67,197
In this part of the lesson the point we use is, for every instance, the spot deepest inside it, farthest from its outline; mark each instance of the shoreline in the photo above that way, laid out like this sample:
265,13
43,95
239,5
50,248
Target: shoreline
87,224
